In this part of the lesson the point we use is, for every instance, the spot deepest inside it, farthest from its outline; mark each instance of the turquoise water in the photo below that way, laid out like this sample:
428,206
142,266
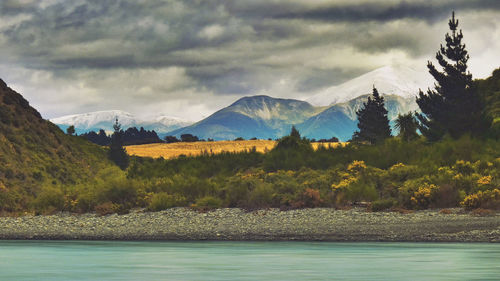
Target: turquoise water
72,260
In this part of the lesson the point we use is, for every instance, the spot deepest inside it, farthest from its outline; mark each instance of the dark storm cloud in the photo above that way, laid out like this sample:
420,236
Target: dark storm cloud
388,10
87,50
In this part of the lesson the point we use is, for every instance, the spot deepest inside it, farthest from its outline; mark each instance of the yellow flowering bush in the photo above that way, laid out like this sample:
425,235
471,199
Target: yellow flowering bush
344,183
424,196
486,180
489,199
356,166
397,166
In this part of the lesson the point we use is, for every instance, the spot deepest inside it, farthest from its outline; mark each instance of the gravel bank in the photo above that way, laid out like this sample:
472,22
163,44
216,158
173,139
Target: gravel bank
235,224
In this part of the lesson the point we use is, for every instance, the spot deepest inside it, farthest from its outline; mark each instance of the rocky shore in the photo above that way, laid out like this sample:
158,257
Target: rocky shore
355,224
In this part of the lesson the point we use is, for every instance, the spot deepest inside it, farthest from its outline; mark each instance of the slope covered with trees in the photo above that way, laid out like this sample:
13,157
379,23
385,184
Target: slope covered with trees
35,155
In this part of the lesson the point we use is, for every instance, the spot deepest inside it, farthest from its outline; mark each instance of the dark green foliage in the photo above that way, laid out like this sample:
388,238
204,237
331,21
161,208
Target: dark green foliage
207,203
373,123
239,139
171,139
189,138
383,204
162,201
295,133
452,107
70,130
131,136
98,138
407,126
291,153
489,90
117,152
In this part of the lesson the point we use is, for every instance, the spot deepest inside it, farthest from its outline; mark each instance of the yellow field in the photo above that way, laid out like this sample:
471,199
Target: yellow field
172,150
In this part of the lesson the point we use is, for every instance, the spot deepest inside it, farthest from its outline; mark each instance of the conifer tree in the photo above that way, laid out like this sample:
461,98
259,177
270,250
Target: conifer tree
117,152
373,123
407,126
452,107
70,130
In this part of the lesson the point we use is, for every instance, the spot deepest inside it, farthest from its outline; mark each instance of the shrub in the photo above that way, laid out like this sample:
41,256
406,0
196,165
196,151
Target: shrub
119,192
49,200
382,204
106,208
489,199
162,201
310,198
207,203
424,196
261,196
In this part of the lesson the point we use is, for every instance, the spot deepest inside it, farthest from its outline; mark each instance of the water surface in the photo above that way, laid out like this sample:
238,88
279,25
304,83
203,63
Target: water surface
72,260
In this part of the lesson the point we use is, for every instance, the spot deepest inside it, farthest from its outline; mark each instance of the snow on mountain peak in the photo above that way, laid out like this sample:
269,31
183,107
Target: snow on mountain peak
389,80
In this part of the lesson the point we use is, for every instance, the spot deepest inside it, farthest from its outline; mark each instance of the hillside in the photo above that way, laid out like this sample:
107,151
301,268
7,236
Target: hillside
34,153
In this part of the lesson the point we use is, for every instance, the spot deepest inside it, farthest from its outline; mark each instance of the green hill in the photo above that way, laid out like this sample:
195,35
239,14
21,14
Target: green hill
34,153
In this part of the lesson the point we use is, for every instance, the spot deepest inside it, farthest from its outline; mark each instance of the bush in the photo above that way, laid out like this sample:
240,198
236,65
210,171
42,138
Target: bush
119,192
310,198
489,199
49,200
207,203
162,201
382,204
106,208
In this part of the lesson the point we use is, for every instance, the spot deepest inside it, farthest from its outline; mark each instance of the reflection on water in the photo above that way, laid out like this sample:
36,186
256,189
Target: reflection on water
71,260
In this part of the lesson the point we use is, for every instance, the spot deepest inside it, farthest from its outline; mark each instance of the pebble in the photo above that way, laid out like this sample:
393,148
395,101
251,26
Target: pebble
320,224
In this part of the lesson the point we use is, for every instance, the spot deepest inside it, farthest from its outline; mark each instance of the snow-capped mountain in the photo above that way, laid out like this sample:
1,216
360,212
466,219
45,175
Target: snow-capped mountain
257,116
389,80
93,121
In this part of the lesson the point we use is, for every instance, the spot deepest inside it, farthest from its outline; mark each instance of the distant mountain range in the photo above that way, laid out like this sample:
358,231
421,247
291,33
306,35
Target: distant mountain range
329,113
93,121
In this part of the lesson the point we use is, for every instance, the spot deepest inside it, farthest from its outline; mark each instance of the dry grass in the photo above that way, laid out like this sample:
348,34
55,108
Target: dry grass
173,150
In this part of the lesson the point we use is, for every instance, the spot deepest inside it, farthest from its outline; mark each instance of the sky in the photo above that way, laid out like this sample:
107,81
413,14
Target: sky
189,58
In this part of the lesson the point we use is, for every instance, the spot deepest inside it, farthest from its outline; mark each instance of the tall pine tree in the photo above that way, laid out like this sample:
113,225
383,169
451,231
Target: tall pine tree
452,107
373,123
117,152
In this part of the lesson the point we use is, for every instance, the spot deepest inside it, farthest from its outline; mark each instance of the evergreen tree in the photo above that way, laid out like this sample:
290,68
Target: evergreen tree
407,126
295,133
70,130
373,123
117,152
452,107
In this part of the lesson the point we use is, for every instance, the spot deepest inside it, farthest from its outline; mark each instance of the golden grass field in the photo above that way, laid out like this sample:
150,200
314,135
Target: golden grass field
173,150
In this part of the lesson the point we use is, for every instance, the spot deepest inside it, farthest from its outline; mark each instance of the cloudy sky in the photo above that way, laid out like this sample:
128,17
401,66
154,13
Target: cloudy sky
188,58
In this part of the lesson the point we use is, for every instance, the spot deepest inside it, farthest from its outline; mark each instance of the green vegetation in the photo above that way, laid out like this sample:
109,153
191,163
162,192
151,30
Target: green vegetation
37,159
117,152
43,170
373,123
452,107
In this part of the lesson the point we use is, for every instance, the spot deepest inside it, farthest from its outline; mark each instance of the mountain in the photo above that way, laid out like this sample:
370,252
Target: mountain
257,116
340,120
35,153
390,80
93,121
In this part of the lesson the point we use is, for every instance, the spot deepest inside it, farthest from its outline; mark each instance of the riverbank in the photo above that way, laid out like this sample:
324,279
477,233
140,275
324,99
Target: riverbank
234,224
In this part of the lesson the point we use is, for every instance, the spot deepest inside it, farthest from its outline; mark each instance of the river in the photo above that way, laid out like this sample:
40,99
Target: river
90,260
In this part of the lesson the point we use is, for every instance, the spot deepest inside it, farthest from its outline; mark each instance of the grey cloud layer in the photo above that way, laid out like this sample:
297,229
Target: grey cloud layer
217,49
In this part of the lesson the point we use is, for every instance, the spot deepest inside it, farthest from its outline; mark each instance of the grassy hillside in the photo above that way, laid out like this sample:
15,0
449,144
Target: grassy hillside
36,155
